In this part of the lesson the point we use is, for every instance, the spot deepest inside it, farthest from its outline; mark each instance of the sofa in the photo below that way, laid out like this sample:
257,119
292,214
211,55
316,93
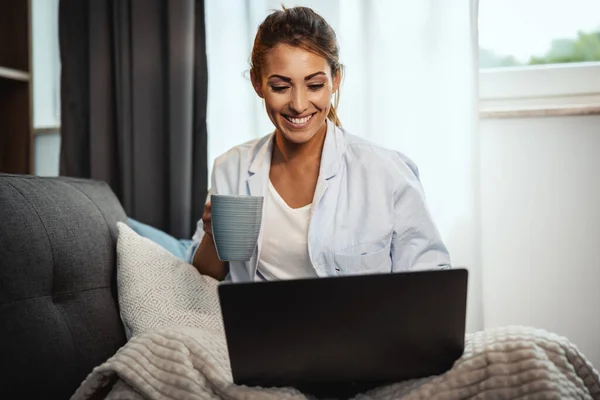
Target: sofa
59,313
60,316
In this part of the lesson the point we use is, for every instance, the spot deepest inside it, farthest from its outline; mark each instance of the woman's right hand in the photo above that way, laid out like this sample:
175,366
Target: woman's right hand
206,259
207,219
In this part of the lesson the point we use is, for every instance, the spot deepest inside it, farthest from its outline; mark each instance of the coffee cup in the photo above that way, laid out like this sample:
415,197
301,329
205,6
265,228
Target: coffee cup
236,222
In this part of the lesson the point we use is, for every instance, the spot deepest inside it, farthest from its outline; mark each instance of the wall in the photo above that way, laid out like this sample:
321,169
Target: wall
46,85
47,154
540,197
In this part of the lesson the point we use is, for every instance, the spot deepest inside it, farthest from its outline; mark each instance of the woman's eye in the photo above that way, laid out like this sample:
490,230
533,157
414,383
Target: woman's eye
316,86
279,88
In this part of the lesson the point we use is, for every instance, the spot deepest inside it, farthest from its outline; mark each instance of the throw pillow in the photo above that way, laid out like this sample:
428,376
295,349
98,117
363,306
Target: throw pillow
178,247
157,289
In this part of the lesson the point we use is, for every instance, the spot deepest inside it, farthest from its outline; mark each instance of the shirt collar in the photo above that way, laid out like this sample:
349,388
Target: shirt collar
331,156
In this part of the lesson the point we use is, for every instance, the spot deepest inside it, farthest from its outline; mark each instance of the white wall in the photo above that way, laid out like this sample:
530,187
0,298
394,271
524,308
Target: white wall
540,199
47,154
46,85
46,63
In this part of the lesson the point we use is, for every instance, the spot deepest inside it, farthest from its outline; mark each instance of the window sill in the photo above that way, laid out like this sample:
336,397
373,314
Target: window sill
47,130
536,112
541,91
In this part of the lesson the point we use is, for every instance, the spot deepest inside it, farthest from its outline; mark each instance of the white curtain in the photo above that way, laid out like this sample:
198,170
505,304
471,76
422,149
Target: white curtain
410,85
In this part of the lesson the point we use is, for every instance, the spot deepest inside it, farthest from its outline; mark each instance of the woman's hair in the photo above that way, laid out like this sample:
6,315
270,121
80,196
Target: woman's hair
299,27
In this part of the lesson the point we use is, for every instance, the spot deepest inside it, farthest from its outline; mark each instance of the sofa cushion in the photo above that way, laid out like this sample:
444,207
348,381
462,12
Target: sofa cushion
158,290
177,247
59,314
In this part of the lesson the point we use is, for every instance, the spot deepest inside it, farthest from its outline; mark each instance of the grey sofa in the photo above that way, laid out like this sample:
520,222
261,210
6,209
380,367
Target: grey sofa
59,315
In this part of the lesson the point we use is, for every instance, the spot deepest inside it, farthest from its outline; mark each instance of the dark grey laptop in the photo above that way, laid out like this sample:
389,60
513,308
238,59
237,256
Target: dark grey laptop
340,336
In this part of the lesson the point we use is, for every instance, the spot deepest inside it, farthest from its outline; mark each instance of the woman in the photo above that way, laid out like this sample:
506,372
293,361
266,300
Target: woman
335,204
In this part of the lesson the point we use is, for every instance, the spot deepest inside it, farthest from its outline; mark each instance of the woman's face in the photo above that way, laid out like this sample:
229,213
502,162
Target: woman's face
297,86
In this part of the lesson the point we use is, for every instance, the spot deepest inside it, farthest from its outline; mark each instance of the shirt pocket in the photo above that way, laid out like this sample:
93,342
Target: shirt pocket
365,258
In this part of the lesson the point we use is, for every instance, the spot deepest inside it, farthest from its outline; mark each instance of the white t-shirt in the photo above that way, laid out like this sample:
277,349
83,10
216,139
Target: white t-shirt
284,253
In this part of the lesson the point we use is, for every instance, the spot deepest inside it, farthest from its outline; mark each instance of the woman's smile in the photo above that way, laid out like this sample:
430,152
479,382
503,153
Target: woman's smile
298,122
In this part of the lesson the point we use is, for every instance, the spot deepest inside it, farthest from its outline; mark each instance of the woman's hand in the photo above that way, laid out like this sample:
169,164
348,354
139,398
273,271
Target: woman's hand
206,259
207,219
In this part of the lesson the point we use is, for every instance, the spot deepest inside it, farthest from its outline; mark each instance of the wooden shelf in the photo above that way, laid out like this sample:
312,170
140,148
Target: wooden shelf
14,74
16,128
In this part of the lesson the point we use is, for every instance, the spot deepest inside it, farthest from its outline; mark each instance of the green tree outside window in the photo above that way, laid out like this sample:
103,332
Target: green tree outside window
585,47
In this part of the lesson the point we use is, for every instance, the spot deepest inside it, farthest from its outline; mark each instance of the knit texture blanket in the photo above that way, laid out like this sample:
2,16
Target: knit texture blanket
178,349
505,363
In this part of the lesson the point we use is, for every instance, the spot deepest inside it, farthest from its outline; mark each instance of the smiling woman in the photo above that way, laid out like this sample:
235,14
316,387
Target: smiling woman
334,204
297,103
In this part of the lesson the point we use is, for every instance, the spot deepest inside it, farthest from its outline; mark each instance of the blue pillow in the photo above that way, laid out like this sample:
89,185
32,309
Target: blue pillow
177,247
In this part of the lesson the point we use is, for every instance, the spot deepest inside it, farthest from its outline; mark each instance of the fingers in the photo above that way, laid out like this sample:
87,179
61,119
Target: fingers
207,226
206,219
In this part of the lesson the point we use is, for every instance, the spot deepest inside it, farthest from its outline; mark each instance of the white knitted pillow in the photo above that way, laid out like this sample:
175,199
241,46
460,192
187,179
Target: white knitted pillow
157,289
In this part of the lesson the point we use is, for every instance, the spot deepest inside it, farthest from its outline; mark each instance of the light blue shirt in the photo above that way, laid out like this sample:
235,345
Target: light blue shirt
369,213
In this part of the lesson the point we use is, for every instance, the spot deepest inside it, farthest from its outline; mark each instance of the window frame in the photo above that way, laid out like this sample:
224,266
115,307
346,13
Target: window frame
540,90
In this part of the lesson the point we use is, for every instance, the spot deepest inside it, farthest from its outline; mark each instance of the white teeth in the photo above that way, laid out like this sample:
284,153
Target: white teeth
299,121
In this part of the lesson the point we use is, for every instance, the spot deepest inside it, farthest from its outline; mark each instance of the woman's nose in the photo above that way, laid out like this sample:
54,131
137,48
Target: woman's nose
299,101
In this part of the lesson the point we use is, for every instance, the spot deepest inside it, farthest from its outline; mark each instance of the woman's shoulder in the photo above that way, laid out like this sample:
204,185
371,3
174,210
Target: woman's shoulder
241,154
363,152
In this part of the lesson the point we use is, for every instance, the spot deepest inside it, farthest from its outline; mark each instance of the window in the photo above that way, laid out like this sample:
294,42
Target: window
46,87
533,32
539,57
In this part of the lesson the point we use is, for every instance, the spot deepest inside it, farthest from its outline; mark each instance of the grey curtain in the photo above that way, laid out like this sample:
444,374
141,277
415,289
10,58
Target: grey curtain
133,91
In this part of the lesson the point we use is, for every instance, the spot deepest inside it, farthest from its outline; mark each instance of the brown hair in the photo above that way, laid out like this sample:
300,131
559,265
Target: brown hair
300,27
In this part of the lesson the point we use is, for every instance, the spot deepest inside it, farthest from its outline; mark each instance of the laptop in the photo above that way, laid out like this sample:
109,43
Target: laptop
340,336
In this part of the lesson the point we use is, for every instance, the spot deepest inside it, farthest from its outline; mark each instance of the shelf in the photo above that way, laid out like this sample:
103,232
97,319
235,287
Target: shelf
16,79
14,74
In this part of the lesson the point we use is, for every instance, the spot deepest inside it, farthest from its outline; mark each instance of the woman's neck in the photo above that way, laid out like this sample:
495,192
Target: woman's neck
285,151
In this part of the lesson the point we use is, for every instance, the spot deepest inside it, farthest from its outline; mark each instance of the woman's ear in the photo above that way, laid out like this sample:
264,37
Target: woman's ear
256,84
337,78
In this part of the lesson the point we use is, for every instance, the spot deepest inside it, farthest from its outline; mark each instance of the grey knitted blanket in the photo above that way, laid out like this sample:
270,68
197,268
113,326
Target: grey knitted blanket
507,363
